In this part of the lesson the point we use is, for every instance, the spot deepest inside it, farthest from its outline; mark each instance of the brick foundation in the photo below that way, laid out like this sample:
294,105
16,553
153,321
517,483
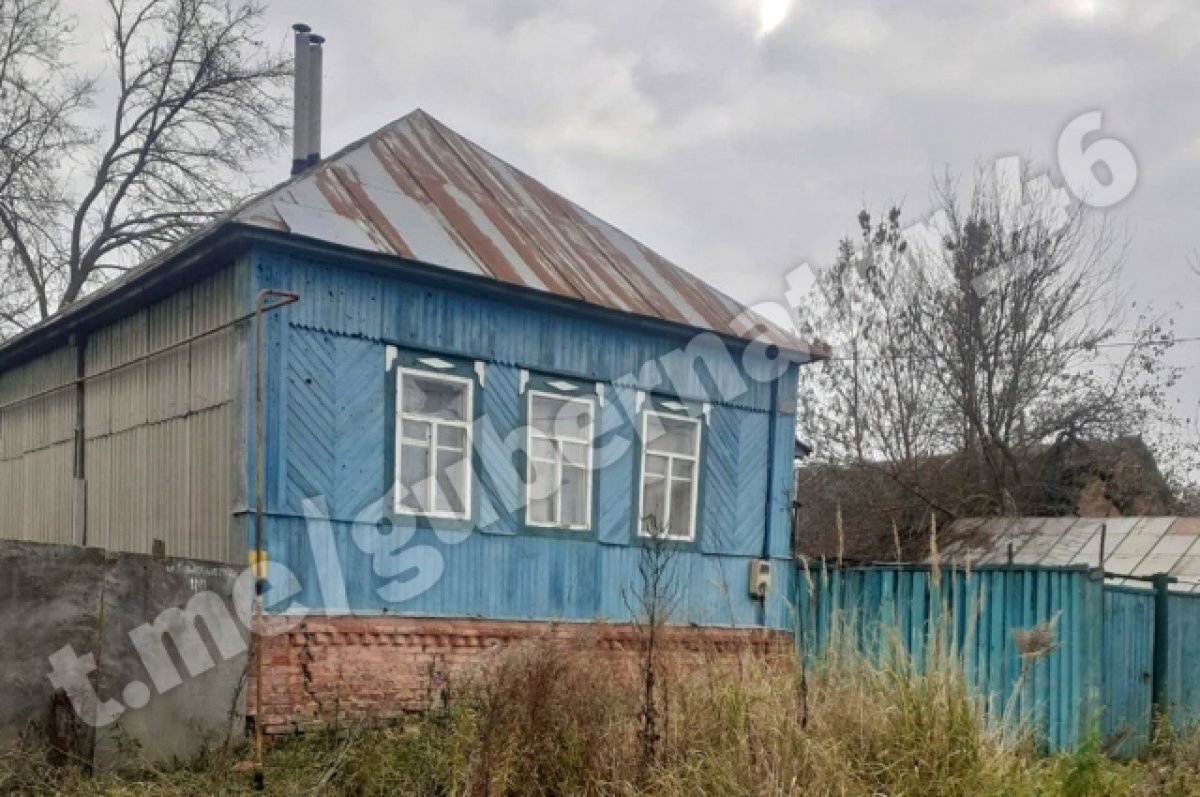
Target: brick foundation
380,668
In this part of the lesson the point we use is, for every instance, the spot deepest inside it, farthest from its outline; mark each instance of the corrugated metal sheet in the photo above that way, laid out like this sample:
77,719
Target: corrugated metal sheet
160,435
1128,669
399,312
33,425
976,613
1133,546
1183,660
334,444
520,577
418,190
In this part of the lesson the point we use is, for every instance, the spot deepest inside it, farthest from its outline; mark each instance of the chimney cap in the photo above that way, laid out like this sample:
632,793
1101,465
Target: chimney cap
300,27
316,38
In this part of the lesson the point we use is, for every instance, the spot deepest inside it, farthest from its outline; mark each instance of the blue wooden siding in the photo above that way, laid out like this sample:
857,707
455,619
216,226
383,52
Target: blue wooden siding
975,614
328,437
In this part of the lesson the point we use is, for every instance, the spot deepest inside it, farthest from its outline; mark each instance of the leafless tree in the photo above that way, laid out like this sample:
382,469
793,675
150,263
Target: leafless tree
192,98
968,350
652,601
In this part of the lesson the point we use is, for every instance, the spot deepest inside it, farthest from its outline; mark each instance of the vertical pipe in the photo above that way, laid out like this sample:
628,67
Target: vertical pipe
259,467
79,497
258,563
300,98
315,70
771,442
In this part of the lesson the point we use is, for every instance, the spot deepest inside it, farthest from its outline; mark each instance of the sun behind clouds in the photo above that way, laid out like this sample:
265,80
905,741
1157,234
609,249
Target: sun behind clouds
772,14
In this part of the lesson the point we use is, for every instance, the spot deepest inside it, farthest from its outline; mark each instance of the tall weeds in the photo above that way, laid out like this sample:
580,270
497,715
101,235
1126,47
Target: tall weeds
548,718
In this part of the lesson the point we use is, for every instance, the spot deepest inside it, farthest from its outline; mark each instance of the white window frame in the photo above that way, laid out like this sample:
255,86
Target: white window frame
690,536
466,424
531,433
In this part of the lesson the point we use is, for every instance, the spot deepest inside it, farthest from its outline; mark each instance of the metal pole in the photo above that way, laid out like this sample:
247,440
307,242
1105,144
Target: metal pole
1159,684
258,564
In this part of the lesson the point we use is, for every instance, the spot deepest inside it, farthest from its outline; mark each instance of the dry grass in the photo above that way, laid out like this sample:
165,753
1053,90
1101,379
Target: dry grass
541,720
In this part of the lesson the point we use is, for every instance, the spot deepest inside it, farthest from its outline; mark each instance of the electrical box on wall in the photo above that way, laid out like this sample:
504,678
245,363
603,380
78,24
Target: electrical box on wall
760,578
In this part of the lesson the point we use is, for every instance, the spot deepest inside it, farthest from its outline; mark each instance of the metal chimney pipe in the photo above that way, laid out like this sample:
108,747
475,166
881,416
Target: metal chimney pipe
315,59
300,98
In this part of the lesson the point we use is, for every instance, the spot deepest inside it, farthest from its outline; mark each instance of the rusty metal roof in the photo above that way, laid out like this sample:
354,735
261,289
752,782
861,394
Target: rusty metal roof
1133,546
418,190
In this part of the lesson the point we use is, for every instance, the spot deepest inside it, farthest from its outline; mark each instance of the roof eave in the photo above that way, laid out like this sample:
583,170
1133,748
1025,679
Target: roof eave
152,280
432,273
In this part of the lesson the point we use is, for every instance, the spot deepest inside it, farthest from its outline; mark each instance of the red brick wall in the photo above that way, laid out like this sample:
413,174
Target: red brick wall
378,668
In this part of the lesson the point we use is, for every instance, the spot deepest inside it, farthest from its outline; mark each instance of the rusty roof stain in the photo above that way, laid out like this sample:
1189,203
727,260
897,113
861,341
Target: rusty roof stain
416,189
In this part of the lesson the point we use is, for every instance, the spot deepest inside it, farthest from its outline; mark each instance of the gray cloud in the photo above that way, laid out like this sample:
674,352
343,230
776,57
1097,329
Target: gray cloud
739,156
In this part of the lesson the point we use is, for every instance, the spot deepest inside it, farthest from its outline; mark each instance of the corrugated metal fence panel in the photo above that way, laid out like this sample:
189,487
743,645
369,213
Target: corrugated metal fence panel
1128,669
1183,652
976,614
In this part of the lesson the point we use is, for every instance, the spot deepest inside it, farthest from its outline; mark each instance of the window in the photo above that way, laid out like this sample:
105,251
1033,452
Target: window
670,459
433,473
558,479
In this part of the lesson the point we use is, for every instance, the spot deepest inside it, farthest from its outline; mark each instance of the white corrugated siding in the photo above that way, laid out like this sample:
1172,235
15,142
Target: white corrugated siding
36,450
159,455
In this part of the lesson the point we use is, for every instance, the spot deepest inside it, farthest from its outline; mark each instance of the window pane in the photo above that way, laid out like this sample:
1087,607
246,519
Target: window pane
574,418
416,431
543,480
575,507
681,469
541,510
541,448
414,476
671,435
560,418
452,437
656,465
451,491
543,411
575,454
681,509
439,398
654,503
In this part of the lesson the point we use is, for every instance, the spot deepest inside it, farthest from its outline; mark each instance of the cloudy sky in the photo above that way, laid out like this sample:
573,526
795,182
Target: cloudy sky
741,137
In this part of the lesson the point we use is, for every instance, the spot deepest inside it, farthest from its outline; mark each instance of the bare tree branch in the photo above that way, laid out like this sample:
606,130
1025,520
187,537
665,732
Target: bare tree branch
197,97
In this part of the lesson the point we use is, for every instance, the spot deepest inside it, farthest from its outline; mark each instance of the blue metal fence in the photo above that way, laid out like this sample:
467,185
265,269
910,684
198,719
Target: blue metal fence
1097,669
1128,669
1051,687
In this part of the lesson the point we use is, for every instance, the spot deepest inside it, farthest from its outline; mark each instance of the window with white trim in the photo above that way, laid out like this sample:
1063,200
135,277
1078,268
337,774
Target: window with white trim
670,461
558,479
433,442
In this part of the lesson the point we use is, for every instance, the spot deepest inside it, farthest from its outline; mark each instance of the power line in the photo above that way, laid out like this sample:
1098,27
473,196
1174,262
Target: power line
1165,344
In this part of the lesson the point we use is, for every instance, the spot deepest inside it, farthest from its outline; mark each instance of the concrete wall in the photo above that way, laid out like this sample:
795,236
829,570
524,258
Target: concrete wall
53,596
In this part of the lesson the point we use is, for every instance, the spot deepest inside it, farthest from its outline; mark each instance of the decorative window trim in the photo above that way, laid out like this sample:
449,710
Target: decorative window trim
589,440
467,425
697,461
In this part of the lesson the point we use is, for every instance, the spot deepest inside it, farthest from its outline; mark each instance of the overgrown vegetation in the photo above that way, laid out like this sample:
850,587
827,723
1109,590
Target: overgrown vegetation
547,720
